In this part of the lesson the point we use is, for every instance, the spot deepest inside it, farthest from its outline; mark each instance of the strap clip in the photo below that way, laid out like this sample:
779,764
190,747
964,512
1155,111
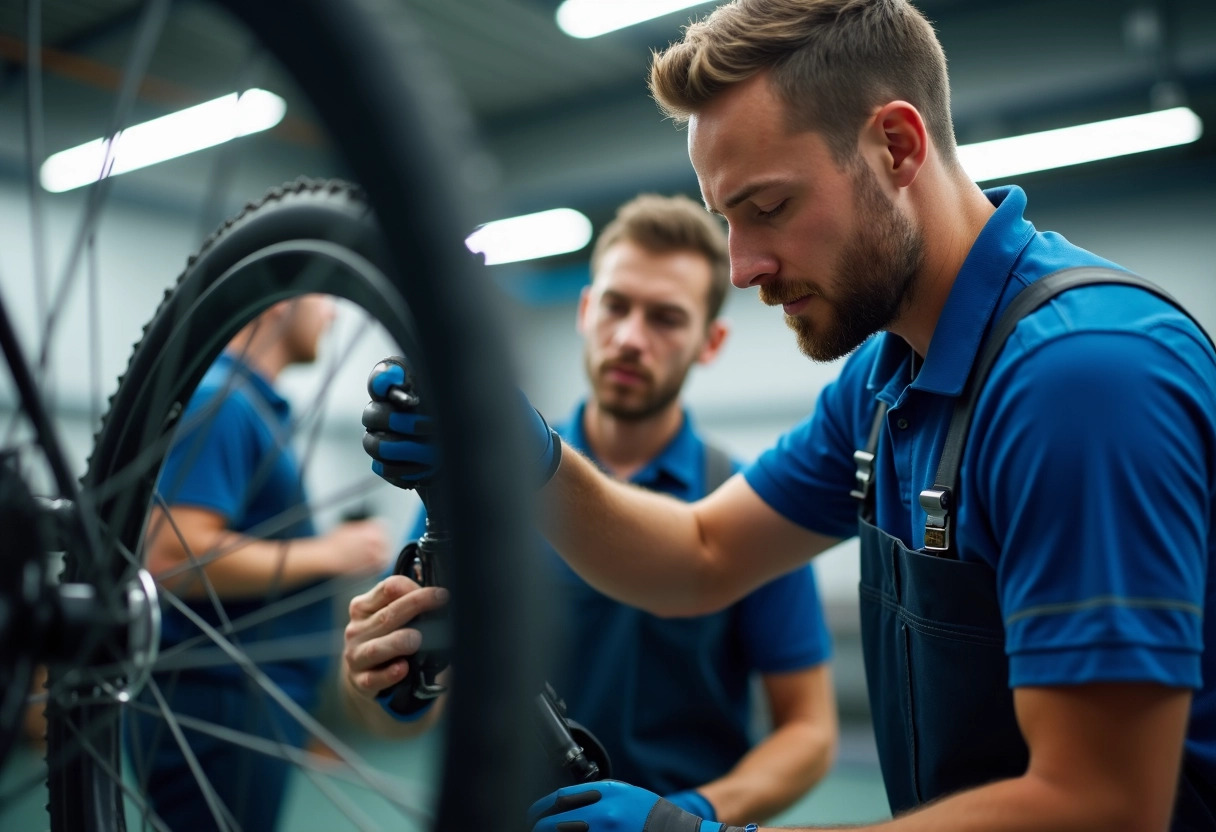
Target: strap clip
936,503
865,474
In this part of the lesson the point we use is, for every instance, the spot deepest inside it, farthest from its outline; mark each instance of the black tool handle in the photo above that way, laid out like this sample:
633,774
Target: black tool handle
575,753
425,562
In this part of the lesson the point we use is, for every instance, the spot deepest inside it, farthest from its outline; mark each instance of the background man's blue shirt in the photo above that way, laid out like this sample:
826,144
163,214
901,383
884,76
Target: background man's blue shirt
231,455
1090,489
670,697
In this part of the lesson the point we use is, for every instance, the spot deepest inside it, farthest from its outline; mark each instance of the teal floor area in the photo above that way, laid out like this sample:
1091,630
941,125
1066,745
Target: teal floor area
851,793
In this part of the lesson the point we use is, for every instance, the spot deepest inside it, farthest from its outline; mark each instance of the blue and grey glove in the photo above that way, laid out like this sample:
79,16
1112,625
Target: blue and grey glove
693,802
400,436
613,806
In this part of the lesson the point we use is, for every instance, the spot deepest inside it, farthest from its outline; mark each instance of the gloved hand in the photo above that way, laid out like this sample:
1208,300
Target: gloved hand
400,436
613,806
693,802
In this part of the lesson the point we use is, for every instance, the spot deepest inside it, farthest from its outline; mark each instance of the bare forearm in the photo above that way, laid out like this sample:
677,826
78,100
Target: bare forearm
666,556
640,547
1023,804
774,774
239,567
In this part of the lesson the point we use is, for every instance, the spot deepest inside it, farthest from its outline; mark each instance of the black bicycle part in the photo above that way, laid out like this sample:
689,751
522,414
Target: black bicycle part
409,141
575,754
308,237
426,562
23,613
395,123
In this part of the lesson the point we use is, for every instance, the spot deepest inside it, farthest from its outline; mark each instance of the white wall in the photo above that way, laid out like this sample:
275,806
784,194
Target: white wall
140,251
759,387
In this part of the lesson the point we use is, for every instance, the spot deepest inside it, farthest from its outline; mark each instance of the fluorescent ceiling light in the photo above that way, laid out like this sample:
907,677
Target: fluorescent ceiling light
531,236
1015,155
590,18
167,137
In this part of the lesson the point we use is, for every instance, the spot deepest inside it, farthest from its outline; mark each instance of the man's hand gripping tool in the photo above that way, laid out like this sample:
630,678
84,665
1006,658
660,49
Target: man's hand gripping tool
426,563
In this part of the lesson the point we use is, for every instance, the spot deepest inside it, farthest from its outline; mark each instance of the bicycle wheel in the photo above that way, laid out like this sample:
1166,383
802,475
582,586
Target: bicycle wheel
388,113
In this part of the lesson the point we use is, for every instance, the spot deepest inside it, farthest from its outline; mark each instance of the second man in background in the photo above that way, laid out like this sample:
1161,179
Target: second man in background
670,698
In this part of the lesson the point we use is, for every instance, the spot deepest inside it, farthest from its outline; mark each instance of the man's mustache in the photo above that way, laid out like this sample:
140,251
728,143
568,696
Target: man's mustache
778,294
627,366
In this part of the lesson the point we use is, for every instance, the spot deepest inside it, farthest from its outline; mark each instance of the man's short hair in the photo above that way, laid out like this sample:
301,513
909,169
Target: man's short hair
666,224
833,62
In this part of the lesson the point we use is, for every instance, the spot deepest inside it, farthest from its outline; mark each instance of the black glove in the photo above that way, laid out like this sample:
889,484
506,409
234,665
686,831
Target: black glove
400,436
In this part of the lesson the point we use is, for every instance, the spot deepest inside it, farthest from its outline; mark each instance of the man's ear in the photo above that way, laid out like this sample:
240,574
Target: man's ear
276,317
584,302
897,133
715,337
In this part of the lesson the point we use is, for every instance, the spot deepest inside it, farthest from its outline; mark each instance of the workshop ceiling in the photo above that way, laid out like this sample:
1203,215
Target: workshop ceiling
569,122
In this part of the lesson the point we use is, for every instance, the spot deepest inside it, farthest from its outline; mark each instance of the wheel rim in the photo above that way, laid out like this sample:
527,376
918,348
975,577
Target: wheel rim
465,400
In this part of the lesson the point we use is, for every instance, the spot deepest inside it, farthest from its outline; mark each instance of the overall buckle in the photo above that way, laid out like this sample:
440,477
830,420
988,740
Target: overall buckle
936,503
865,474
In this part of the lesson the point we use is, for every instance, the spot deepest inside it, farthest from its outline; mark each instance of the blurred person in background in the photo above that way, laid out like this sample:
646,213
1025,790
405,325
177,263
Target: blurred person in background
232,474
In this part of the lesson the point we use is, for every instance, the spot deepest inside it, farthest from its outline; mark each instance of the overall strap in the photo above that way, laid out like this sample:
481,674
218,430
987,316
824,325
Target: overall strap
718,467
864,458
937,501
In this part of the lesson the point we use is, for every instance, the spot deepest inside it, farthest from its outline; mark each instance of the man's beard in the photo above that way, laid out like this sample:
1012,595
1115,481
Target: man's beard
873,283
648,402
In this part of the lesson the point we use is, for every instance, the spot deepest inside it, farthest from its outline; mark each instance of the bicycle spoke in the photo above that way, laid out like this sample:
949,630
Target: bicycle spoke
80,743
187,655
306,720
148,31
318,592
343,803
35,150
219,811
153,453
116,776
166,516
119,481
94,327
288,648
272,526
307,761
223,172
238,272
137,751
314,412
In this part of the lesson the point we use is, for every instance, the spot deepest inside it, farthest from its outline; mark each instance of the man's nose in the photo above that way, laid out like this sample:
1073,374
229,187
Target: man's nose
631,331
749,265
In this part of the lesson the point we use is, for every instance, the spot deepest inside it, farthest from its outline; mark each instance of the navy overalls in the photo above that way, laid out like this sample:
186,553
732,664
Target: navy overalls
932,630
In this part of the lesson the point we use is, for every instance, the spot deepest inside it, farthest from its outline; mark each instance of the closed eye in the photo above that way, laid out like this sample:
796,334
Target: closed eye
772,212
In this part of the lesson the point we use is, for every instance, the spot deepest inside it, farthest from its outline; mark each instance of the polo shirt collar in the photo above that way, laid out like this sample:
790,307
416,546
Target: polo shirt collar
680,461
969,308
230,362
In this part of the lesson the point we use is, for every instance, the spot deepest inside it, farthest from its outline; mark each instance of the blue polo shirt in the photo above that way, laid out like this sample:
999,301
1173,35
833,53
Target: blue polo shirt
670,697
1088,482
232,456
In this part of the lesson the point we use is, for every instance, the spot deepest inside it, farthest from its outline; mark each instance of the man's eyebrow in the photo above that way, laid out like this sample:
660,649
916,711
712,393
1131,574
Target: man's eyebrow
658,306
744,194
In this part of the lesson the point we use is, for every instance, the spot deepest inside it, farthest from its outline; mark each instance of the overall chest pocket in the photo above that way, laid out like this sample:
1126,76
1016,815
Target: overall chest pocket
935,651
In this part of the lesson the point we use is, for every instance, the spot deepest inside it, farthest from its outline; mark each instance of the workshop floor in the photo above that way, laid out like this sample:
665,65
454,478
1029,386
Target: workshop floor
851,793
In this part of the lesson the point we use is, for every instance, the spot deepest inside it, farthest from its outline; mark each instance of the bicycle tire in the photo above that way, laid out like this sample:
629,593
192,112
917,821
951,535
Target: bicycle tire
401,139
